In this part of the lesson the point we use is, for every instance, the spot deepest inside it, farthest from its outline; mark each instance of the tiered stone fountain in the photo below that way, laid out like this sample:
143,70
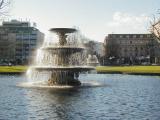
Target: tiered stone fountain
63,61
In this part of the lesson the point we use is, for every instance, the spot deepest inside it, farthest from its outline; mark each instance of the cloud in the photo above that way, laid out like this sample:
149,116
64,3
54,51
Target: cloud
128,23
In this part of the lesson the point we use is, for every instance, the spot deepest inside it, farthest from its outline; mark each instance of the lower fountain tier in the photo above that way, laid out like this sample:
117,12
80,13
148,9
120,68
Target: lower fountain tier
63,75
63,68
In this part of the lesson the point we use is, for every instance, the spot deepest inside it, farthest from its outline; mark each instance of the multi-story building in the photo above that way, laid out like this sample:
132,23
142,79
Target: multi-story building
18,40
131,48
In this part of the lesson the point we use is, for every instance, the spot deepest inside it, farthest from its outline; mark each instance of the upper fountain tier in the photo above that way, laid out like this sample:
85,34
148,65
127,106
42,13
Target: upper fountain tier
62,33
63,30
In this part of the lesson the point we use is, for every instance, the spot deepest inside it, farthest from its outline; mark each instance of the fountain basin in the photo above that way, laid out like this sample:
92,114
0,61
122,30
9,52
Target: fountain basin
72,68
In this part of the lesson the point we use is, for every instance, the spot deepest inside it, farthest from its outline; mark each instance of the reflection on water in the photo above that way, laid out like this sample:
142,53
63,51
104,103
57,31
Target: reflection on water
51,104
123,97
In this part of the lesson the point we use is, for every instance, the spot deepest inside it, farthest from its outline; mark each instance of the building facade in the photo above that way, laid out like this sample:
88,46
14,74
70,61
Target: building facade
131,49
18,41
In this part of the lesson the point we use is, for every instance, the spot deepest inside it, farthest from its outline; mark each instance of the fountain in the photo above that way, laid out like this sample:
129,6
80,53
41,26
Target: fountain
60,64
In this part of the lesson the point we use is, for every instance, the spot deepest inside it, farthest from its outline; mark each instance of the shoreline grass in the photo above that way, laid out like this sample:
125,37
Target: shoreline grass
129,69
13,69
99,69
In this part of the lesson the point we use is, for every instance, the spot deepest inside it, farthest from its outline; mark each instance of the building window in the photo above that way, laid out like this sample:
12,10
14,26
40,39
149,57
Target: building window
148,36
141,36
136,54
136,48
130,42
116,36
137,36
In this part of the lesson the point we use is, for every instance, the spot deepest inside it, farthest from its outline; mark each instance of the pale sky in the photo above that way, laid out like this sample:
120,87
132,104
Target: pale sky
95,18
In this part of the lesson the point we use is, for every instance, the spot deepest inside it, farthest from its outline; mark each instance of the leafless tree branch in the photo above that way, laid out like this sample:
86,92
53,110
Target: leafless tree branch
4,7
155,27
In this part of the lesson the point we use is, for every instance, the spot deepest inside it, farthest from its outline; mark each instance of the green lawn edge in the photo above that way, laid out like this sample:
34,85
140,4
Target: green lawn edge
13,69
104,69
129,69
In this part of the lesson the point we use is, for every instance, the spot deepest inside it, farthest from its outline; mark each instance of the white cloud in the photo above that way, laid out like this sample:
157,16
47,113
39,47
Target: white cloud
128,23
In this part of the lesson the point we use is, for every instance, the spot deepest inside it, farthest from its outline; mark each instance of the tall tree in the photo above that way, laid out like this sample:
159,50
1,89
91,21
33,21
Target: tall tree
4,7
155,26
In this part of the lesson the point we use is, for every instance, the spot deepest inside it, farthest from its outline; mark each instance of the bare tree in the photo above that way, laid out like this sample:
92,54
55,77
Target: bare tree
4,7
155,26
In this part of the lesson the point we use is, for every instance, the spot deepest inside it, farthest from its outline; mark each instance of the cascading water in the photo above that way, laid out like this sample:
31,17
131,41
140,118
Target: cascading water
60,63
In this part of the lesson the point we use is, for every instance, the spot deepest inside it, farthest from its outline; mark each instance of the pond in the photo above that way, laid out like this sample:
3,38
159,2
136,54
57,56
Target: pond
121,97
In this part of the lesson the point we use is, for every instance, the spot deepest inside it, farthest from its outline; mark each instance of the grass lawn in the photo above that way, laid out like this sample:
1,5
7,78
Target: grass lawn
129,69
12,69
107,69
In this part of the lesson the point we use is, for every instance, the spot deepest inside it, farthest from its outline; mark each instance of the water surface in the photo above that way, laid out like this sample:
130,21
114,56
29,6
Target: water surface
122,97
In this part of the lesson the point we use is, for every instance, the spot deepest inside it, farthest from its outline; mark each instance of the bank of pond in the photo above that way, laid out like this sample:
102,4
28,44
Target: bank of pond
143,70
